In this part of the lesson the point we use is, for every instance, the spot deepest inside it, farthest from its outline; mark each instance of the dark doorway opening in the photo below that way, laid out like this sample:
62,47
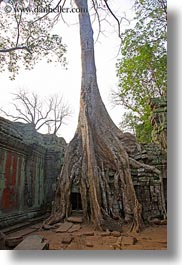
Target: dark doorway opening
76,201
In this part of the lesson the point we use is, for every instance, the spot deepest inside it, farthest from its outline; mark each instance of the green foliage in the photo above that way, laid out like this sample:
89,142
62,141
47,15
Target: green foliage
28,37
143,131
142,70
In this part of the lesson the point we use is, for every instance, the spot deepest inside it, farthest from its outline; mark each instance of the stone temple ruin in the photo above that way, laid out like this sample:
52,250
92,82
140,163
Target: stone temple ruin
30,164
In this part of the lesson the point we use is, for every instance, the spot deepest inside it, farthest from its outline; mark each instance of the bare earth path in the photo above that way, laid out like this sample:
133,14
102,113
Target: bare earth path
151,238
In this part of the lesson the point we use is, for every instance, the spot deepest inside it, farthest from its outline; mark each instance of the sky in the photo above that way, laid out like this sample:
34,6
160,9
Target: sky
48,79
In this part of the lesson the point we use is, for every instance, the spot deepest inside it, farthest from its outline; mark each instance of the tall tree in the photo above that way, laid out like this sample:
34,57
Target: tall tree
27,37
97,147
142,70
30,108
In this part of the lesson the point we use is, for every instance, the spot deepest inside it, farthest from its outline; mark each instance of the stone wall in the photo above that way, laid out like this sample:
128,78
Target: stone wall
29,166
159,121
31,162
151,189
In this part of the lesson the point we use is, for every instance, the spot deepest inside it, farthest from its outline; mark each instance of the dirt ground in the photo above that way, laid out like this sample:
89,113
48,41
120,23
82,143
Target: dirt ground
86,238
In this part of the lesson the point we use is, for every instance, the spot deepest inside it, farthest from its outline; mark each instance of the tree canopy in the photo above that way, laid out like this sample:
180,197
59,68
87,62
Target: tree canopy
27,37
30,108
142,69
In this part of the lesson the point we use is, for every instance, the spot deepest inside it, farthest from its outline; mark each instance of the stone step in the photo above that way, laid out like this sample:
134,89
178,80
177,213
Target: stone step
33,242
22,225
74,228
75,219
13,241
14,228
64,227
77,213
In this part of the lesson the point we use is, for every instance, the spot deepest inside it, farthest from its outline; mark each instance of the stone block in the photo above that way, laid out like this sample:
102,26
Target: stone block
64,227
13,241
128,240
89,244
105,234
33,242
75,219
67,240
88,233
74,228
115,233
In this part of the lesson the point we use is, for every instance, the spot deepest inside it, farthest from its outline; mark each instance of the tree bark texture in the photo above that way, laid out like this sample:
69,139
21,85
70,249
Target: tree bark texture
95,150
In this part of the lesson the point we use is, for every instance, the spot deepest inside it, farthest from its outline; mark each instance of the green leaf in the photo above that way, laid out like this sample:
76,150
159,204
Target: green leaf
142,69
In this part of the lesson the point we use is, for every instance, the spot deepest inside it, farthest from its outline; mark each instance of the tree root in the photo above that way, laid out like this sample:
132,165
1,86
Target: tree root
97,147
135,164
137,223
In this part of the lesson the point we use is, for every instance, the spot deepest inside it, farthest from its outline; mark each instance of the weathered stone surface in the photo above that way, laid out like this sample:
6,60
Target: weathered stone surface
88,233
13,241
35,161
33,242
148,185
2,235
130,143
47,227
74,228
67,240
57,225
75,219
2,240
117,245
157,221
89,244
115,233
159,121
64,227
105,234
128,240
111,225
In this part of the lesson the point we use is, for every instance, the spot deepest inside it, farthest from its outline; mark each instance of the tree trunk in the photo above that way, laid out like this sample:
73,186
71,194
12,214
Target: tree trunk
95,150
